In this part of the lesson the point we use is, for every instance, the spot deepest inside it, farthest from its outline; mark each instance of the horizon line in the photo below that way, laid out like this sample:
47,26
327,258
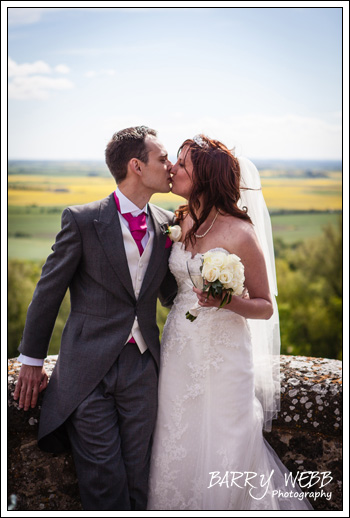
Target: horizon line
102,161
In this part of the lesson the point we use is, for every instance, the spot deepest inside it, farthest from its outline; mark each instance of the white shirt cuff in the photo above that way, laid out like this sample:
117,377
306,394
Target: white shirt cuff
27,360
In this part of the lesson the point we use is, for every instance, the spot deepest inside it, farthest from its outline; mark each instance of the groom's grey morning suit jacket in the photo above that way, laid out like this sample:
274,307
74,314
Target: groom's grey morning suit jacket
89,258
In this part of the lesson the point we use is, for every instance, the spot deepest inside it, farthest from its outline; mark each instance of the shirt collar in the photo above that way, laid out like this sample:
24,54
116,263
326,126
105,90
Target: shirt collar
127,205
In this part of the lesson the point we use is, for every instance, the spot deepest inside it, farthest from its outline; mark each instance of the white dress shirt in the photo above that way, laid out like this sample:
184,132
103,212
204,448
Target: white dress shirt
137,266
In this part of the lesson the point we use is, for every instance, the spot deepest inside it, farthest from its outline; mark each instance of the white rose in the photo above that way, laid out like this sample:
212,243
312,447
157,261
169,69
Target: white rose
235,266
175,233
207,257
210,273
230,268
236,287
226,276
238,271
215,259
239,291
232,260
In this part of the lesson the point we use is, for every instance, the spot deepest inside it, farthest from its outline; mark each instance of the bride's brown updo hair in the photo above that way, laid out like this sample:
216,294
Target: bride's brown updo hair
215,180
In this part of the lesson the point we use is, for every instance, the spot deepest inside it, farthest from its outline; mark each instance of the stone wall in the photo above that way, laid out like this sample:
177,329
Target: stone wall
40,481
307,436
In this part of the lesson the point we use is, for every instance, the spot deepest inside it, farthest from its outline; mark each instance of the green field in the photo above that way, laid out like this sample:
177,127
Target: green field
293,228
32,230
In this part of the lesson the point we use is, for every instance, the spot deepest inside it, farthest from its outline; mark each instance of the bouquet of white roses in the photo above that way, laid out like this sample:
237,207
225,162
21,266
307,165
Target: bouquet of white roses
222,273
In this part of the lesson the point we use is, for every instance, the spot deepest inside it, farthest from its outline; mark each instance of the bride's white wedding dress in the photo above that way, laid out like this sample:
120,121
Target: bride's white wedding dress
209,452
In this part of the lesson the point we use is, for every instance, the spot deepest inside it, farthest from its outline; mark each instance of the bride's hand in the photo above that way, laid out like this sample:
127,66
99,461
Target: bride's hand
205,300
245,294
208,301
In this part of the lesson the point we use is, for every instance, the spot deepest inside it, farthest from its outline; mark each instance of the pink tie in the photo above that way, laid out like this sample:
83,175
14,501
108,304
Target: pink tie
137,225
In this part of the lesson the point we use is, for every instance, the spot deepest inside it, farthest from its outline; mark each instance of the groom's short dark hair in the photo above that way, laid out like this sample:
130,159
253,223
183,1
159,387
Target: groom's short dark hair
124,145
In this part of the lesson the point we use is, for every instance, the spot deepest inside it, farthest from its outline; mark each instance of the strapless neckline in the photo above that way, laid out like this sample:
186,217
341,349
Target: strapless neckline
218,249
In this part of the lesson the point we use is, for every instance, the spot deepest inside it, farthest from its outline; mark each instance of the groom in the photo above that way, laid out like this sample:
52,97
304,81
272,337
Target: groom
113,257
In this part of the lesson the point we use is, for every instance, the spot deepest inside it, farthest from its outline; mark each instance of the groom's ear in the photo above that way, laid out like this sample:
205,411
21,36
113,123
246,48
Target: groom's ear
135,166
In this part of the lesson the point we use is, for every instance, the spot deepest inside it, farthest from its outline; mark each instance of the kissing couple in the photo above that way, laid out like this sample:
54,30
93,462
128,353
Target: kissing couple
154,426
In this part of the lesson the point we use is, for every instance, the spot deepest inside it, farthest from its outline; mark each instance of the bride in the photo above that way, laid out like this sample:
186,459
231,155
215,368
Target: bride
219,377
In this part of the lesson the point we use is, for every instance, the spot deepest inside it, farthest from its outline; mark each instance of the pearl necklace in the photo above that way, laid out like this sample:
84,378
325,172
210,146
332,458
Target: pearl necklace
211,226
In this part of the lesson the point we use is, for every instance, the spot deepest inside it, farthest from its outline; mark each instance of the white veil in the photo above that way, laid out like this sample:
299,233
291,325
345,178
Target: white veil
265,333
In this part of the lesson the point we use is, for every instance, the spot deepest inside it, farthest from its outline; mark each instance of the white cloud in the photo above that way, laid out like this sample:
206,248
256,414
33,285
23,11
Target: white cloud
36,87
260,135
289,136
23,15
27,81
257,136
30,15
26,69
62,69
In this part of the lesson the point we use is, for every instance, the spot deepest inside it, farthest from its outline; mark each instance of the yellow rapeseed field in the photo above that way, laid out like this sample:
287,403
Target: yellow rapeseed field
303,193
57,190
279,193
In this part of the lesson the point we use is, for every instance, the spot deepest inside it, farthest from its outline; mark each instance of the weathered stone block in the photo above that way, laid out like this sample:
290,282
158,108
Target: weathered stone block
307,435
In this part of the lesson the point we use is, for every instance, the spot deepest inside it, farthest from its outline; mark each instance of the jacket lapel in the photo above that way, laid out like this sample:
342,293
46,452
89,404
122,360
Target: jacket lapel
158,249
111,238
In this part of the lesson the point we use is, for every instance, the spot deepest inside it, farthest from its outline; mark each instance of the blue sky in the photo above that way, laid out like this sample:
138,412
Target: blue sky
267,81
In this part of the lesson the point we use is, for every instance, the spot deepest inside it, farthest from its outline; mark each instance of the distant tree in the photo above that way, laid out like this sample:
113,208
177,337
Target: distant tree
22,276
310,295
22,279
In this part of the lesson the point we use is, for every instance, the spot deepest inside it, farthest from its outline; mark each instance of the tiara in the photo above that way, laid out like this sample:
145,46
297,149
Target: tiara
197,139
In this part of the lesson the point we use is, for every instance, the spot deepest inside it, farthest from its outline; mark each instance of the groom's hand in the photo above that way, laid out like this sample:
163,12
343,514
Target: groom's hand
31,381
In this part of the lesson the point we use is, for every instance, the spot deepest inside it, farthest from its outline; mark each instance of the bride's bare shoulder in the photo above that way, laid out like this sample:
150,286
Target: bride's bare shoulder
240,225
238,232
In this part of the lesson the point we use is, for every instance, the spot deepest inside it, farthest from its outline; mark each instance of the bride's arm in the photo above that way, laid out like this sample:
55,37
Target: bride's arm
259,304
